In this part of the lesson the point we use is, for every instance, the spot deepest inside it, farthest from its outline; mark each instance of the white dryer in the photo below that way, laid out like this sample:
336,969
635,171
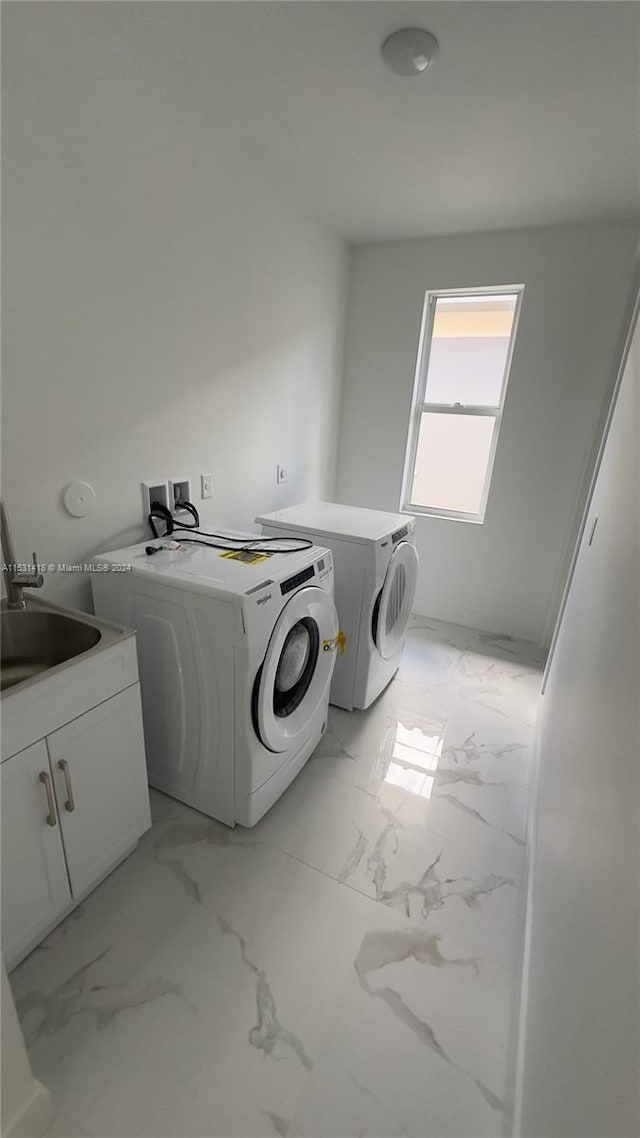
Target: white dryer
376,570
236,659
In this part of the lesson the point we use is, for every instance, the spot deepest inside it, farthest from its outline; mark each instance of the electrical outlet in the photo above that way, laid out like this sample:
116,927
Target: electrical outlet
179,491
282,474
154,492
206,485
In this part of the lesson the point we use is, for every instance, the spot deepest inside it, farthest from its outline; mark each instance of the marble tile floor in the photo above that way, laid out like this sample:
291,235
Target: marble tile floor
346,969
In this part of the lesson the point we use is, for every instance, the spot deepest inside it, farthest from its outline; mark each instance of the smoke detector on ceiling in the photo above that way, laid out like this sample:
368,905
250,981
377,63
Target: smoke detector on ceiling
409,51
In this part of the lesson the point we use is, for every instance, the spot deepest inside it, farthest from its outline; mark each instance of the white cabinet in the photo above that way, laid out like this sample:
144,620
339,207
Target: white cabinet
73,805
35,887
102,796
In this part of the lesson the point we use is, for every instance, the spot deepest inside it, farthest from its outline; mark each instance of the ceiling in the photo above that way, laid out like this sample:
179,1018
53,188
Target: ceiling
529,116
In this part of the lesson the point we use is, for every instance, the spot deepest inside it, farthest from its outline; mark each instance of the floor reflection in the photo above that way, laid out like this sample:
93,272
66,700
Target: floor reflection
409,755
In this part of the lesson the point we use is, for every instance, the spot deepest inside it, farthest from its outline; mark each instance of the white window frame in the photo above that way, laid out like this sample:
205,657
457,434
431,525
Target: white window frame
419,405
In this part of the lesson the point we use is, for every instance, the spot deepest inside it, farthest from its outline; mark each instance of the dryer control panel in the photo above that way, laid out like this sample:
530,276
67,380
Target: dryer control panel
321,569
404,531
298,579
324,565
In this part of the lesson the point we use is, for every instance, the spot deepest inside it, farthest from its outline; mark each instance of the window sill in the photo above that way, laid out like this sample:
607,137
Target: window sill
422,512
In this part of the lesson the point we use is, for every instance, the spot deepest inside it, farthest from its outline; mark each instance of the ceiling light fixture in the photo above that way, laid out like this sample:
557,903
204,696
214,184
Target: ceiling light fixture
409,51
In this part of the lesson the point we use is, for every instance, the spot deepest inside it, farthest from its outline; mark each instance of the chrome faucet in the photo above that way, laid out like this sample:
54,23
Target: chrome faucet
15,582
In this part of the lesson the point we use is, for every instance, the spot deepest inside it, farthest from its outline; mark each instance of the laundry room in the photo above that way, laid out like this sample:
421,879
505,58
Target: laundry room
320,533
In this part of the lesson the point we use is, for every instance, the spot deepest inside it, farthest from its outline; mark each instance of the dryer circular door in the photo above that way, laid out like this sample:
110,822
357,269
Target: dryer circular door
296,672
393,606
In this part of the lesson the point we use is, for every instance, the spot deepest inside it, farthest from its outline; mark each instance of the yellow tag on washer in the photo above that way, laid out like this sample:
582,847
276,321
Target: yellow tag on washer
247,556
336,644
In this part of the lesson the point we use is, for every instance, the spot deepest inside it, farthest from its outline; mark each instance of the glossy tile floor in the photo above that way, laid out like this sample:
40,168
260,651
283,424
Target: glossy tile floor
348,968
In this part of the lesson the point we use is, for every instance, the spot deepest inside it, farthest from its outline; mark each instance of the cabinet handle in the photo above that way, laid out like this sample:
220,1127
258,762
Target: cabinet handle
64,767
51,816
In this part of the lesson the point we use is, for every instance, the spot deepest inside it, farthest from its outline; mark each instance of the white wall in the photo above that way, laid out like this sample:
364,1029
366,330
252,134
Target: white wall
168,308
581,1028
26,1105
503,575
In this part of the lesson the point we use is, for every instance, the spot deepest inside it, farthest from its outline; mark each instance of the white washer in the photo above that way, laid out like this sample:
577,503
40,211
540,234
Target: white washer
236,661
376,570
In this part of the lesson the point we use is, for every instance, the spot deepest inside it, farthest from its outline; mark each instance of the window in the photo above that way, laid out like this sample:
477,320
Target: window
466,343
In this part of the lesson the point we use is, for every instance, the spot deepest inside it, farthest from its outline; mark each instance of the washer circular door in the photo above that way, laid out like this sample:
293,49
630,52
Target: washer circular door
393,606
297,669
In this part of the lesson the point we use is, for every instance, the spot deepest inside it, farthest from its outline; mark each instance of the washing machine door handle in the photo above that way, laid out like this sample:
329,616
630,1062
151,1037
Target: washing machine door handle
395,600
297,668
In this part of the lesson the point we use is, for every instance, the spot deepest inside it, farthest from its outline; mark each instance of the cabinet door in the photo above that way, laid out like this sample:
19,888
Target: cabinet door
100,777
35,887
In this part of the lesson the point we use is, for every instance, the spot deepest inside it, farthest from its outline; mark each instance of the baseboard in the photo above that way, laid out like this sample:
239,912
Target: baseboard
520,1032
34,1117
476,618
